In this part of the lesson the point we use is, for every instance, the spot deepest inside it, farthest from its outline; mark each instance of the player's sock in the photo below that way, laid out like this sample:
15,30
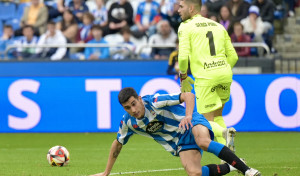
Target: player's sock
227,155
218,131
220,120
215,170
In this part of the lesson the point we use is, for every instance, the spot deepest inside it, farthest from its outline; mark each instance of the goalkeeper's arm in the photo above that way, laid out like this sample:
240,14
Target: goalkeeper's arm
231,54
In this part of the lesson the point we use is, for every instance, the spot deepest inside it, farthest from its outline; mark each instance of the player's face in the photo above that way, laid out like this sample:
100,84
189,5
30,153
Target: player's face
184,10
135,107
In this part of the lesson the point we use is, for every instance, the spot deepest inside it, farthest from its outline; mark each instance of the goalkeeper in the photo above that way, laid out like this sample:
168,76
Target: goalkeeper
206,44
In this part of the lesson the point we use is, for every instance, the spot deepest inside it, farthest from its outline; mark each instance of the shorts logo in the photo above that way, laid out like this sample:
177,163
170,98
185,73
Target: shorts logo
210,105
219,86
154,126
178,149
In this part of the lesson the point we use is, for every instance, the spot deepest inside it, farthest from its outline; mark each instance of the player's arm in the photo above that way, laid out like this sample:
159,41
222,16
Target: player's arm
183,58
184,48
189,100
231,54
113,155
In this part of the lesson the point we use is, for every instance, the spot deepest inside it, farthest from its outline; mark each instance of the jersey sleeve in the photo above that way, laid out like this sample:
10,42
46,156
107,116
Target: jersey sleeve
184,48
124,132
162,100
231,54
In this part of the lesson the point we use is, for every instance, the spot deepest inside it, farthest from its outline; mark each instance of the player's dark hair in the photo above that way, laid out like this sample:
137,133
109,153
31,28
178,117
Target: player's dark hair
126,93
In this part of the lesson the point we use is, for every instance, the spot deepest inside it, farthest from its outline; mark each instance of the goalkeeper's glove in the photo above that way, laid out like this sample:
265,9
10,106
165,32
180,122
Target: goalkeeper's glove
185,83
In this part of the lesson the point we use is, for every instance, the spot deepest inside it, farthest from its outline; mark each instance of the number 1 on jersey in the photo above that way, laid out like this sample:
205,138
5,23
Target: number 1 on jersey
210,37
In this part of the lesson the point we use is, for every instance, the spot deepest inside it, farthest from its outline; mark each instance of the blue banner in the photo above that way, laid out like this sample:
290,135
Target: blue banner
90,104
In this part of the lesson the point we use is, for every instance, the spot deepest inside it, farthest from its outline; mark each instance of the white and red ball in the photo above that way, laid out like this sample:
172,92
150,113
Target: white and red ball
58,156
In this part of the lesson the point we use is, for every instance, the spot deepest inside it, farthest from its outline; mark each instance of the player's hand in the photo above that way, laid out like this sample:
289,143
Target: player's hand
186,83
186,123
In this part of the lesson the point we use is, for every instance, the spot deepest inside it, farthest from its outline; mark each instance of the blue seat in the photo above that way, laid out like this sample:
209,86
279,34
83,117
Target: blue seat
8,10
14,23
20,10
1,28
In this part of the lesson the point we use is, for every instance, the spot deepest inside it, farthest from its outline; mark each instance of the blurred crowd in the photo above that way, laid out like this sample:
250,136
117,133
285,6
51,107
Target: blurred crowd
131,24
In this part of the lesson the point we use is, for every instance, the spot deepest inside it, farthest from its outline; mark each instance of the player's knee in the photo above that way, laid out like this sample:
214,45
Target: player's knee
203,143
195,172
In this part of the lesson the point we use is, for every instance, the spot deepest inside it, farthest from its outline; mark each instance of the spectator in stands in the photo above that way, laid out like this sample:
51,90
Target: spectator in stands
36,15
52,36
213,17
84,34
266,11
239,9
78,8
204,11
6,39
214,6
225,18
97,52
174,18
239,36
254,26
146,18
120,14
68,26
28,38
100,14
165,35
173,68
125,52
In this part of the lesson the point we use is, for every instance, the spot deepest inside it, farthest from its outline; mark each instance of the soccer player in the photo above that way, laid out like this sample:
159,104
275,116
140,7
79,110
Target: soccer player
206,44
179,130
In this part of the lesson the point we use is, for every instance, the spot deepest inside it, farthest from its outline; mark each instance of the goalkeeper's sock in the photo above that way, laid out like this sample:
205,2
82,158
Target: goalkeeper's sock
220,120
227,155
218,132
215,170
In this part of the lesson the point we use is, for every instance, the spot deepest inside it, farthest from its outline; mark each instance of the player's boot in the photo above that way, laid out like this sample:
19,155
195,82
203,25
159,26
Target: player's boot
229,135
252,172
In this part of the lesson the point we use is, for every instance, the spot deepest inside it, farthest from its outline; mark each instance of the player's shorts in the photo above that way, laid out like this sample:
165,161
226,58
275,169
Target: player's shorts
210,98
187,140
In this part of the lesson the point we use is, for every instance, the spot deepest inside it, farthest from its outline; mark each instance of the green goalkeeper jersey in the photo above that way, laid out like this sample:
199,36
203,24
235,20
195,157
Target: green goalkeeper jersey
207,45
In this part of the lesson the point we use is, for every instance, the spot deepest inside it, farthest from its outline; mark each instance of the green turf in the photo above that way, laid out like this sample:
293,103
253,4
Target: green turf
25,154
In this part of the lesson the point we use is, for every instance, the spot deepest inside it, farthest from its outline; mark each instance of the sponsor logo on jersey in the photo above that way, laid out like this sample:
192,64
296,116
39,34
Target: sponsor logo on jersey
214,64
154,126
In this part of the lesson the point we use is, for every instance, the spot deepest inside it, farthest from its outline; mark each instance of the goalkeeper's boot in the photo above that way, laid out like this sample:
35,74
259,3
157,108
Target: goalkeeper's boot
252,172
229,135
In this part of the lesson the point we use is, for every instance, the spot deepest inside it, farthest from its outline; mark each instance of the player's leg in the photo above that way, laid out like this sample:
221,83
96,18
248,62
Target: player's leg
208,101
223,91
190,159
203,139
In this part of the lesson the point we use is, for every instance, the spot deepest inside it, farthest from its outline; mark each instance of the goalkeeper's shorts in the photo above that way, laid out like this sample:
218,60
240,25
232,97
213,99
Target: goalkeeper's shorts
210,98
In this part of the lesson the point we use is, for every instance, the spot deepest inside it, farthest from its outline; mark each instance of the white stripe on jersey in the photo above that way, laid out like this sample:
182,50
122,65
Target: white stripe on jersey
123,135
162,103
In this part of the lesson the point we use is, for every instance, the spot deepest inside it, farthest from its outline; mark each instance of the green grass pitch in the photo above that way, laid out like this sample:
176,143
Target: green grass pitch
25,154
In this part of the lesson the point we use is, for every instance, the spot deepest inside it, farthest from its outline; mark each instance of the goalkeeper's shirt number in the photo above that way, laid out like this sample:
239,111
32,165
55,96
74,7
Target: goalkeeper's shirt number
210,37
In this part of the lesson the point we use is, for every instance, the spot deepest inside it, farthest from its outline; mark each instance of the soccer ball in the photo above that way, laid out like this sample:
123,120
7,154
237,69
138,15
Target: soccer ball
58,156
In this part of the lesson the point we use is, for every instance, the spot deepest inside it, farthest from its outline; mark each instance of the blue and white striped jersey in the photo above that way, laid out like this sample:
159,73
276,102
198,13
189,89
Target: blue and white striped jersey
162,117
